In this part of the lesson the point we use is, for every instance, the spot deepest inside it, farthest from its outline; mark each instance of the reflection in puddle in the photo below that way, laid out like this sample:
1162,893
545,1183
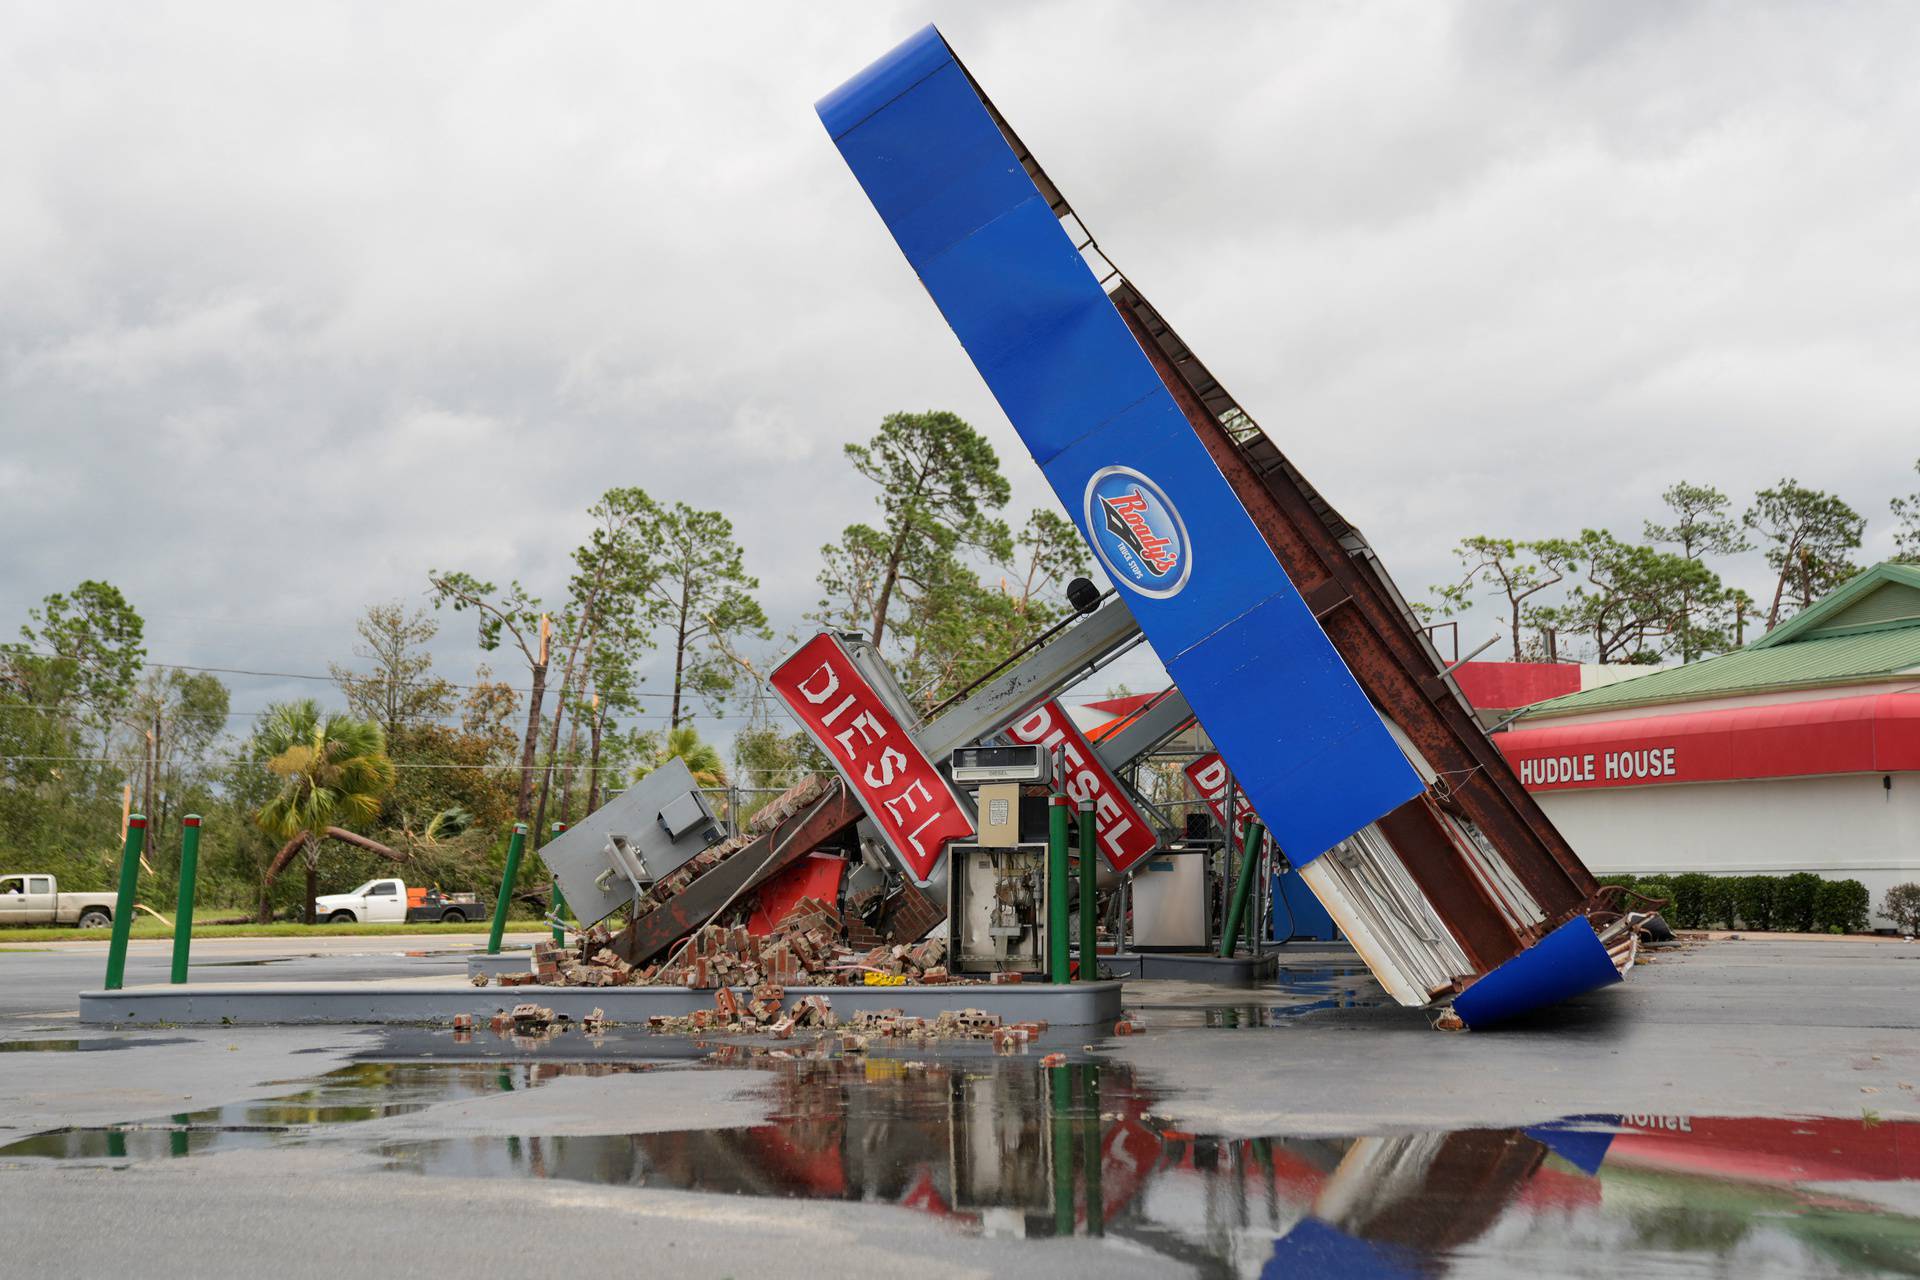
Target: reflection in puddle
364,1091
1002,1146
1295,993
1008,1148
102,1044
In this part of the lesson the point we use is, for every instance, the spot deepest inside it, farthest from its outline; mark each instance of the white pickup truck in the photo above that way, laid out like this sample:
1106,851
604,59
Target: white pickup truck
379,901
36,899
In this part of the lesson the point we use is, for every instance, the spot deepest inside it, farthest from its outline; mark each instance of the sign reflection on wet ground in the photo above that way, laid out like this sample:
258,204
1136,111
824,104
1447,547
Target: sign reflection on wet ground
1004,1146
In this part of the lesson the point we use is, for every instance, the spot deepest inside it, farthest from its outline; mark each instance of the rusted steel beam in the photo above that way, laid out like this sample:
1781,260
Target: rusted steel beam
1382,651
1550,886
827,818
1431,858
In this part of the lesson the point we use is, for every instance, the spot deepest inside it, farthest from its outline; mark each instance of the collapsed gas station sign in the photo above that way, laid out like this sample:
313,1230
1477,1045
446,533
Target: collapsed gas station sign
1297,654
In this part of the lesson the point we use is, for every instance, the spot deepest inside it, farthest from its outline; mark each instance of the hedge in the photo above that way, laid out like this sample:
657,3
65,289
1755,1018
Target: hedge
1902,903
1797,903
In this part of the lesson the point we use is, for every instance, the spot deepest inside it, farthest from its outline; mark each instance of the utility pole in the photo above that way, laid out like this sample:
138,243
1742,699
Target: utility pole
152,778
593,768
532,744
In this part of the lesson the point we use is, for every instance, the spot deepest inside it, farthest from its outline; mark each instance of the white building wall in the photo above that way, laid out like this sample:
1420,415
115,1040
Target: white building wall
1848,827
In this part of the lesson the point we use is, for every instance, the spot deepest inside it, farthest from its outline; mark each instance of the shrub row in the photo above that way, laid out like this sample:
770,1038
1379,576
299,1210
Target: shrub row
1799,903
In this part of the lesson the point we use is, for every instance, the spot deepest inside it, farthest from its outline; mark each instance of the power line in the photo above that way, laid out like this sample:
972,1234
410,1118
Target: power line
510,767
241,715
451,684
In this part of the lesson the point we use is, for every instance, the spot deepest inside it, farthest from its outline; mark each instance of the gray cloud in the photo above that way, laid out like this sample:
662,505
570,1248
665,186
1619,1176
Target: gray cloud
296,304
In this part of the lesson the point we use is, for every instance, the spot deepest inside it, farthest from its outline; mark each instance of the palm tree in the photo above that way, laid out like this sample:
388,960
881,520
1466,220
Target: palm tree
703,759
333,769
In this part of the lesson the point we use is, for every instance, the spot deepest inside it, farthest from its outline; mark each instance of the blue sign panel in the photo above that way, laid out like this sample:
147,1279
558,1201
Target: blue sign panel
1299,733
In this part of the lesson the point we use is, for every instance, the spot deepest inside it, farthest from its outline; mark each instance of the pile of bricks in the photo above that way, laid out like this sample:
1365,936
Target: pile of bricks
811,946
763,1009
589,964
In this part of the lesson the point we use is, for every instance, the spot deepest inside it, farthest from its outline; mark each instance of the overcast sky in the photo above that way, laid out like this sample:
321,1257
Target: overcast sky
298,302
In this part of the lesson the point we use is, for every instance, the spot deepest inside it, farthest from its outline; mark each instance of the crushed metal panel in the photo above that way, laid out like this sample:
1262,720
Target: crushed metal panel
1152,725
831,816
1057,665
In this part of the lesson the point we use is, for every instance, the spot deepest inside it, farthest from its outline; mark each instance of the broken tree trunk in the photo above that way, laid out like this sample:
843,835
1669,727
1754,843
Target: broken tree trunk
291,847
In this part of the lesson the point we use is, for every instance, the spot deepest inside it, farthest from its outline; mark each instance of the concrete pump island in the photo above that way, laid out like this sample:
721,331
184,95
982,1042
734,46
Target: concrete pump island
975,999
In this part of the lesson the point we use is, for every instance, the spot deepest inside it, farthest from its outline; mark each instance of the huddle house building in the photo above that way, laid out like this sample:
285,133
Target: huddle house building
1800,752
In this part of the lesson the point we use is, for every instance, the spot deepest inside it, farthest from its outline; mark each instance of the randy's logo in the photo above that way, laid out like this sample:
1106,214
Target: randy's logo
1138,535
1127,520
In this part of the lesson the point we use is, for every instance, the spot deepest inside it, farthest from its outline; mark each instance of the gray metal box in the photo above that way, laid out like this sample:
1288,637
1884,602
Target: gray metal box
646,832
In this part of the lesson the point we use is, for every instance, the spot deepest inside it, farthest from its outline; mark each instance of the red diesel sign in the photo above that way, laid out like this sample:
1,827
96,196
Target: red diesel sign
910,802
1122,833
1208,776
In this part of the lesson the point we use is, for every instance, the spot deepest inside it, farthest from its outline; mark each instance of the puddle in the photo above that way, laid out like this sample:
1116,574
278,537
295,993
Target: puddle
1001,1146
1005,1148
101,1045
1294,994
363,1091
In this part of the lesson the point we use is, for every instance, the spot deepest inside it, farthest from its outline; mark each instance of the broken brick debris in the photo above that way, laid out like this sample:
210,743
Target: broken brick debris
763,1009
530,1015
785,806
812,945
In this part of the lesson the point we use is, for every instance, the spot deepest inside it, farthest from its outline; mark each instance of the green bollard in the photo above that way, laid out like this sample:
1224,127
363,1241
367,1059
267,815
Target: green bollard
183,911
1062,1146
1057,941
1249,860
558,907
1089,921
515,847
123,904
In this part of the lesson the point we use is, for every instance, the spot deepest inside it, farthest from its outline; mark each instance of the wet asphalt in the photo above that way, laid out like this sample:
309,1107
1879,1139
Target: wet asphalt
1733,1108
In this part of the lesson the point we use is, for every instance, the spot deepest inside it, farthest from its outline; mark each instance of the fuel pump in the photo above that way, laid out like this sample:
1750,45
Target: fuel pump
997,894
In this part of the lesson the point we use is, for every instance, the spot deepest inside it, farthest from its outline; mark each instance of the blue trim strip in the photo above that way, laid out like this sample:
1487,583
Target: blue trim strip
1301,736
1568,962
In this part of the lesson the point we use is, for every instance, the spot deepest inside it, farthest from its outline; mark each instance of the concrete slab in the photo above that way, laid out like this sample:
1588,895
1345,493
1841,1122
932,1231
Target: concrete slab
493,966
294,1003
1177,966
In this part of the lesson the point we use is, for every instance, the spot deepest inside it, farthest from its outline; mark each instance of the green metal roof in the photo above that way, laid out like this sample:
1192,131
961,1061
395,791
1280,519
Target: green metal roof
1866,630
1886,595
